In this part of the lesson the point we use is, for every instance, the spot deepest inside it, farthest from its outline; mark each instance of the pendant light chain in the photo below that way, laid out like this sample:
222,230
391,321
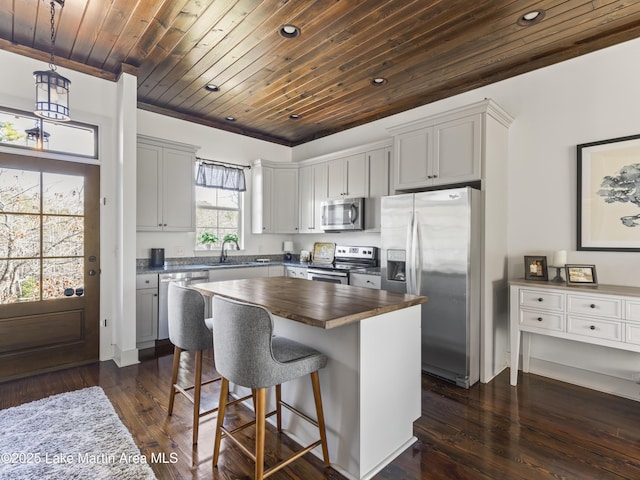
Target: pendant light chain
52,65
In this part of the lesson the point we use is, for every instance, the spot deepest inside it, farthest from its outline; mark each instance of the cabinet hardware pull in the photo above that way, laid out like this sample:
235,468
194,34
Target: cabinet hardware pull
592,327
539,319
540,299
593,305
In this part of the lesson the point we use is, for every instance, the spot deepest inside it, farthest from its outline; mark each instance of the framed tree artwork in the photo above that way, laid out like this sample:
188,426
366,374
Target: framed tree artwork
608,217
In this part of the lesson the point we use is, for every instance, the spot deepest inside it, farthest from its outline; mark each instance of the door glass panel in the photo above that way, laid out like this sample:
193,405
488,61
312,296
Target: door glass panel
62,236
20,236
41,235
60,275
19,191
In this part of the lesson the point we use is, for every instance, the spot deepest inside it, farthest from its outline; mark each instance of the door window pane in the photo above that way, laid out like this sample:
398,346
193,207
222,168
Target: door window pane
61,274
62,236
19,191
19,235
19,281
63,194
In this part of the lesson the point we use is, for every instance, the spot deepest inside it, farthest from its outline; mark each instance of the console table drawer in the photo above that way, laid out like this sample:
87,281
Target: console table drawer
538,299
602,329
633,311
593,305
538,319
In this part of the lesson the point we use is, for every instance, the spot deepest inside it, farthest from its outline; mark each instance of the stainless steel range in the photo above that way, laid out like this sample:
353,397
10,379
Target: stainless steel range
346,258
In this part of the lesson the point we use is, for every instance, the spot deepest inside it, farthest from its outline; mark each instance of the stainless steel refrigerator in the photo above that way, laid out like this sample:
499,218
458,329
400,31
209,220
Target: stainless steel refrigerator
431,246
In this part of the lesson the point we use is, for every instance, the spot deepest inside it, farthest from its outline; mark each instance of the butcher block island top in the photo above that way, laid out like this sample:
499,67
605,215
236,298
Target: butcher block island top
319,304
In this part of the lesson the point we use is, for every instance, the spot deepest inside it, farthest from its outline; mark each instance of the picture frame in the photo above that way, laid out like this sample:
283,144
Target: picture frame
535,268
608,214
581,275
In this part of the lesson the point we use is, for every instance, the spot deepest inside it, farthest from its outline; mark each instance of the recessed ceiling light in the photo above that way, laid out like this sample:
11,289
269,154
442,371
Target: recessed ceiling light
294,116
230,119
531,18
211,87
376,82
289,31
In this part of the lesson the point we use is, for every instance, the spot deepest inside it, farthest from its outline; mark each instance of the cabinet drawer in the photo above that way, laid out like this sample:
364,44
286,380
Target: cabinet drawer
364,280
633,310
602,329
541,299
540,319
147,281
594,305
632,333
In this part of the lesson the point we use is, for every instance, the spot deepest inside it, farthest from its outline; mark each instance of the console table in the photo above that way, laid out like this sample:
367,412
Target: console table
607,315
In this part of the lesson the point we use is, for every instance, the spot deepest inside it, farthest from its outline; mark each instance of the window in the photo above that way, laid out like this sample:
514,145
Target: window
42,241
24,130
218,212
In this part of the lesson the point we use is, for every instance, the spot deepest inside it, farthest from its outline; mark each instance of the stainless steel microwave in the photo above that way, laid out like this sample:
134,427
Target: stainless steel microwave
343,214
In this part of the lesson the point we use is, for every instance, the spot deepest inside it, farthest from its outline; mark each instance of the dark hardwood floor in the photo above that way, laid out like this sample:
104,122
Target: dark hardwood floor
541,429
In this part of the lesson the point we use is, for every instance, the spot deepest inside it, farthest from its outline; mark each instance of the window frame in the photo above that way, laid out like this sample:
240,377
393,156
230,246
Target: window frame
199,247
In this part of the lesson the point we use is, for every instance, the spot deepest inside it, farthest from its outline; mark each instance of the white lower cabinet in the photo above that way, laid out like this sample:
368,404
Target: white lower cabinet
607,315
365,280
238,273
146,310
296,272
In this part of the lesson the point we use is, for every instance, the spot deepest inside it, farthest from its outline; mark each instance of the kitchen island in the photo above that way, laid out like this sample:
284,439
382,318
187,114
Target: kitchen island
371,384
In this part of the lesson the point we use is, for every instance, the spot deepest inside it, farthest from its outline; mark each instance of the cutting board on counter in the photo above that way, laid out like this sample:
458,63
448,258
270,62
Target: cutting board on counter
323,252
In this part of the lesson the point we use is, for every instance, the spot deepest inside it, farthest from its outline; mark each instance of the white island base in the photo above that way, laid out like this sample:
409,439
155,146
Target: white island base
371,389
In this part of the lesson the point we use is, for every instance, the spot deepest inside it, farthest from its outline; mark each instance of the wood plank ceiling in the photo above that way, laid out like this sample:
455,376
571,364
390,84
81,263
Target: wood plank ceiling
425,49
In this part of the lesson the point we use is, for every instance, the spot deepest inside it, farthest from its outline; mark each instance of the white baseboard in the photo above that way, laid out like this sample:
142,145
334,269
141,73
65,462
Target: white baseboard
126,358
583,378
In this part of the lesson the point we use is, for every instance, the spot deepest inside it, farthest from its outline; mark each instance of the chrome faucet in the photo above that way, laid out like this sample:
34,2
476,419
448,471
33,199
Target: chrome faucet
223,254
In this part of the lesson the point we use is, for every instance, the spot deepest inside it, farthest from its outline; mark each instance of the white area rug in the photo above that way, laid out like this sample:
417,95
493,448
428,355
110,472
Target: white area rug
75,435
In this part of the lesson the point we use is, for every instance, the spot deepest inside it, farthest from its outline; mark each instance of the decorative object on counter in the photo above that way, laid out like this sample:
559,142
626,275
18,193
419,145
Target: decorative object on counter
558,262
535,268
287,248
324,252
608,201
207,239
157,258
584,275
305,256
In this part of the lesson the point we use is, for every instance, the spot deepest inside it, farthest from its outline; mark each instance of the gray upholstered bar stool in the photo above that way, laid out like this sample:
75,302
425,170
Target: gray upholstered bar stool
247,354
189,331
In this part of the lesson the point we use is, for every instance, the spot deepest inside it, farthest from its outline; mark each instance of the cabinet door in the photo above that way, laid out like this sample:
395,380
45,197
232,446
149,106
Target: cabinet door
458,150
262,181
148,188
178,191
336,179
379,169
357,175
307,203
412,162
146,315
285,200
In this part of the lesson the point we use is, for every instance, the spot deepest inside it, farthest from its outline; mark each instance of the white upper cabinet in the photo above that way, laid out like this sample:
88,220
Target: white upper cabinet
445,149
313,188
348,177
379,186
165,186
274,202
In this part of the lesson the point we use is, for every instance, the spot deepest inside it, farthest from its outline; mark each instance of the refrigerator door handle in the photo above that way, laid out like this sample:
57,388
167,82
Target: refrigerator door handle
408,255
416,260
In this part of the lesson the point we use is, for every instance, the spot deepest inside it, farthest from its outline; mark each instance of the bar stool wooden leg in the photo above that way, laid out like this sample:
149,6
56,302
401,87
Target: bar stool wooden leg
315,382
174,376
224,391
197,386
261,401
278,408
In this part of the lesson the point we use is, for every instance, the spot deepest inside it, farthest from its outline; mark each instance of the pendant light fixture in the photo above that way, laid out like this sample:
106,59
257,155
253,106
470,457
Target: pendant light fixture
52,89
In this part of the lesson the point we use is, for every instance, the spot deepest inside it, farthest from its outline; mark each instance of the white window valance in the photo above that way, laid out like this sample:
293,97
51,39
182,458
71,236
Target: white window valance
215,175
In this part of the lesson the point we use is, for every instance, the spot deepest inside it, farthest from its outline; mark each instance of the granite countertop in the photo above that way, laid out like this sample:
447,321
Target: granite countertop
319,304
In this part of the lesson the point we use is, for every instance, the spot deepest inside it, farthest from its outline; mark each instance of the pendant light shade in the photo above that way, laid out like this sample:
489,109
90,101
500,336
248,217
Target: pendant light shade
52,89
52,95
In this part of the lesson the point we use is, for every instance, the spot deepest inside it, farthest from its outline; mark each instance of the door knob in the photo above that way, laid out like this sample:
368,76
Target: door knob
92,272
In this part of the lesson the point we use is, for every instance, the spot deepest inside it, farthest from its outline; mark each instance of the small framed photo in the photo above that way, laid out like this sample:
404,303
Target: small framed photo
581,275
535,268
